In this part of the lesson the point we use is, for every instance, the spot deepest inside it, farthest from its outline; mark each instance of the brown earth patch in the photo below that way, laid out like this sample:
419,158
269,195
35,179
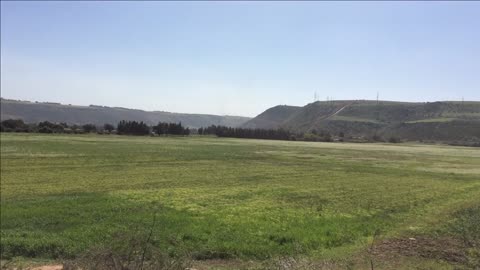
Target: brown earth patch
442,248
223,264
48,267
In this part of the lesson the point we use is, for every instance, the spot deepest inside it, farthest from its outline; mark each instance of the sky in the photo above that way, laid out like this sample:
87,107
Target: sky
238,58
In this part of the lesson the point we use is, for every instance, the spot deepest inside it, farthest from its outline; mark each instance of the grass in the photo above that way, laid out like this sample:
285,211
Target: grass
340,117
226,198
432,120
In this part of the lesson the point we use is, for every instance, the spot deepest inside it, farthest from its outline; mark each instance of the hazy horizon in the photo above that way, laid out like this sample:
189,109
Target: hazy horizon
301,105
238,58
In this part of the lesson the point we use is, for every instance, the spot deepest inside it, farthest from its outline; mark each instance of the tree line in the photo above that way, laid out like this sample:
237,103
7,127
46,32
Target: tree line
123,128
270,134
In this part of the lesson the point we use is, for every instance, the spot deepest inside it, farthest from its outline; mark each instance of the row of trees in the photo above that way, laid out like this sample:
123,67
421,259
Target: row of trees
271,134
141,128
132,128
162,128
123,128
170,128
16,125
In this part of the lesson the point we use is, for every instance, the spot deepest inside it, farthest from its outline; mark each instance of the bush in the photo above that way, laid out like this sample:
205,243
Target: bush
377,138
88,128
327,138
108,127
45,129
394,140
129,253
48,127
12,125
311,137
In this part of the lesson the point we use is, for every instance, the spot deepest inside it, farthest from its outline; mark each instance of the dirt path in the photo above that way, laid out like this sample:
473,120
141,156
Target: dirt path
48,267
333,114
341,109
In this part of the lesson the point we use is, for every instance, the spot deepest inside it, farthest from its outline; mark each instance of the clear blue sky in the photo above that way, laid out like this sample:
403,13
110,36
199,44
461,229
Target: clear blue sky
238,58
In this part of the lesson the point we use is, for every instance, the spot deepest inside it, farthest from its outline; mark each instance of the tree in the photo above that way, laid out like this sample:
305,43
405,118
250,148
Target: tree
45,129
327,137
48,127
394,140
132,128
89,128
16,125
108,127
161,128
170,128
377,138
272,134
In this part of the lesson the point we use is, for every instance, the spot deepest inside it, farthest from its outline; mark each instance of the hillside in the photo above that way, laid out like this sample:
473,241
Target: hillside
33,112
272,118
444,121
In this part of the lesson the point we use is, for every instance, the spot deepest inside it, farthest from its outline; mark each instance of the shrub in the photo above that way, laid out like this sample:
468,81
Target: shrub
327,138
88,128
310,137
13,125
129,253
394,140
108,127
377,138
48,127
45,129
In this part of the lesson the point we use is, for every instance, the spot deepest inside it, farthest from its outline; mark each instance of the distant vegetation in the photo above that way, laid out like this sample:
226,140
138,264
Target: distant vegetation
170,128
123,128
271,134
162,128
35,112
364,120
455,123
141,129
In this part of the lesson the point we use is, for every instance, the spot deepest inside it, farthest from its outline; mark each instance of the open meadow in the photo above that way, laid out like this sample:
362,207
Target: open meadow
242,200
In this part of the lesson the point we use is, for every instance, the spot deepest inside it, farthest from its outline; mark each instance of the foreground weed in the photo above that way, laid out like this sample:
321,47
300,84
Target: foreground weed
127,252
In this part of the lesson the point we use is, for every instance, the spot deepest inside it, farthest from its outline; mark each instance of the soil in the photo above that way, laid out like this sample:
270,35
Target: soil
442,248
48,267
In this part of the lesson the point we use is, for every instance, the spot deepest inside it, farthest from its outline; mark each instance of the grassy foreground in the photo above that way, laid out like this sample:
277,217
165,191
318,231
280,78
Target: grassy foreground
228,198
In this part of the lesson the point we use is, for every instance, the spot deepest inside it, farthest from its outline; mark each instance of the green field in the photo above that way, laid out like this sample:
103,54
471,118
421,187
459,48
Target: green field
232,199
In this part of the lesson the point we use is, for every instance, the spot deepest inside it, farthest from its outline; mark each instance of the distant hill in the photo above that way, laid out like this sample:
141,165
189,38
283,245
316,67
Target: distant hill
33,112
436,121
272,118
